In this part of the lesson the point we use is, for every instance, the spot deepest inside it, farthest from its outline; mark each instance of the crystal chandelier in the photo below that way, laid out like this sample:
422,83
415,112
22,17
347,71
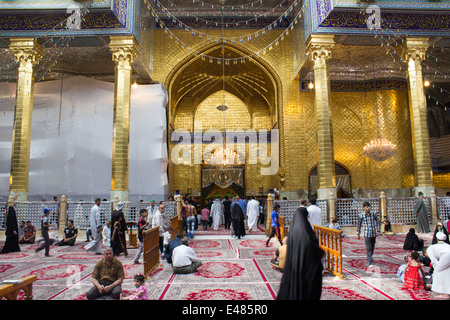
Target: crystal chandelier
379,149
223,156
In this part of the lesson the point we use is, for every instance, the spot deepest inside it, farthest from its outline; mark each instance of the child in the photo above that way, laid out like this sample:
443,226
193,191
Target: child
142,224
167,237
412,277
205,217
45,225
141,292
335,225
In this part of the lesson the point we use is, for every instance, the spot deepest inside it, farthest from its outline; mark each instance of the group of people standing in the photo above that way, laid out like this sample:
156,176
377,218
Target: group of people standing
235,214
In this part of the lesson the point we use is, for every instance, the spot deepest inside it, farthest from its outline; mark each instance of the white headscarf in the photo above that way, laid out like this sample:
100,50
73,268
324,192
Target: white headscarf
120,205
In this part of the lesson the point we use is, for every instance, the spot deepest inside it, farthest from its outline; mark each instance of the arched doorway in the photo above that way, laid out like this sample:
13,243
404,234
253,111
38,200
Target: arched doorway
343,182
251,92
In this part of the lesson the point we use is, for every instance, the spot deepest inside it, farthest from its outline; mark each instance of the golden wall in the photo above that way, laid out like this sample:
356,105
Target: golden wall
353,114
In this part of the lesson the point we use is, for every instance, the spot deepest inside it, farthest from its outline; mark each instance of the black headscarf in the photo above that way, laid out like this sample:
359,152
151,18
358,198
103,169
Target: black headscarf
118,240
237,215
302,275
412,241
444,230
11,232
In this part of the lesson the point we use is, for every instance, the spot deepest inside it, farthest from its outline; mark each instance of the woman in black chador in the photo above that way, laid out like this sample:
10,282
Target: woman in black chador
237,216
11,232
118,223
302,275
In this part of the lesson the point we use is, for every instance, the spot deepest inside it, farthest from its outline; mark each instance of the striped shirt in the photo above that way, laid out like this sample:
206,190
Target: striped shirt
370,223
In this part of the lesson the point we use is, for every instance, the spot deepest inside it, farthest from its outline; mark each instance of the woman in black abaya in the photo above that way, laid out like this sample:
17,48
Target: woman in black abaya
237,215
118,223
302,275
11,232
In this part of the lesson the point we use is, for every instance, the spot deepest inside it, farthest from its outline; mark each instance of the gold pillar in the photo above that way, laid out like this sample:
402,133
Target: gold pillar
415,50
124,50
27,53
319,51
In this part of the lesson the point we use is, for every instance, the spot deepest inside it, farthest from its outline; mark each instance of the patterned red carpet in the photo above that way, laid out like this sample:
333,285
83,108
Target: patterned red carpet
232,269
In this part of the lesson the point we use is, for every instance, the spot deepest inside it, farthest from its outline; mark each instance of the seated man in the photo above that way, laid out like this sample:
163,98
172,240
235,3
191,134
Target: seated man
70,235
29,234
280,254
107,277
184,259
172,245
386,227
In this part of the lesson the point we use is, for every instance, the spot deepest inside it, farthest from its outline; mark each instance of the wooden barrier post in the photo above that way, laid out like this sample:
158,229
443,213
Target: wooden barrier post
330,240
383,205
433,203
63,211
116,200
268,213
178,200
332,206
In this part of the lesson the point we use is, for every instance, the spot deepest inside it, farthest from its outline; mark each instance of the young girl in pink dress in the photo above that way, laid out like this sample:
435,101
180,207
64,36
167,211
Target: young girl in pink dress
413,280
141,292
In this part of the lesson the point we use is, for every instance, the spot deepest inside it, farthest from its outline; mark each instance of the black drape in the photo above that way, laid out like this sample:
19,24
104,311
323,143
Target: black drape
11,232
237,216
302,275
412,241
118,241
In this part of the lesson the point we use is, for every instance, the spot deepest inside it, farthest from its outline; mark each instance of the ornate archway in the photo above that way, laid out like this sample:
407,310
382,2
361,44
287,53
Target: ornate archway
194,80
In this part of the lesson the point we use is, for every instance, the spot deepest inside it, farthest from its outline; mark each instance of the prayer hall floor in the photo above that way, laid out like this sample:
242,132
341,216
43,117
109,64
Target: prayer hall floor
232,269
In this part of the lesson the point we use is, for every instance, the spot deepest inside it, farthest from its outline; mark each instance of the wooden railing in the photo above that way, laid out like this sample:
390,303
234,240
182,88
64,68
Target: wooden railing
330,241
11,291
282,227
151,249
177,226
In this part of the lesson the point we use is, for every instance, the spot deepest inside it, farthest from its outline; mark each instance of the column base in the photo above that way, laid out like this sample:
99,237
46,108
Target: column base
426,190
123,195
19,195
324,193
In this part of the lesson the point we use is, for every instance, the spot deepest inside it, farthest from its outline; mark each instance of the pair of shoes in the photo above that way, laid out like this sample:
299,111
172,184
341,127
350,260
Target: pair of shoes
136,262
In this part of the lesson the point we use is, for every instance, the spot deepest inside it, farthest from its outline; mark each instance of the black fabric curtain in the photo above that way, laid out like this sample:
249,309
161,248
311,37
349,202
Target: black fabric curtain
238,189
206,191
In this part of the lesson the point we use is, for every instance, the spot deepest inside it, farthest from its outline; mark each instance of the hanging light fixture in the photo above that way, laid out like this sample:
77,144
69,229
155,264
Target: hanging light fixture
223,156
379,149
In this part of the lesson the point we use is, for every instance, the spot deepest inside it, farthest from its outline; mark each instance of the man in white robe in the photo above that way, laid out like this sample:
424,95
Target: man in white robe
96,229
252,214
439,255
216,214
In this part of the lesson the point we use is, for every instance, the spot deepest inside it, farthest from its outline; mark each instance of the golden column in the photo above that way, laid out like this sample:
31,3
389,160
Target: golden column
319,51
27,53
415,50
124,50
